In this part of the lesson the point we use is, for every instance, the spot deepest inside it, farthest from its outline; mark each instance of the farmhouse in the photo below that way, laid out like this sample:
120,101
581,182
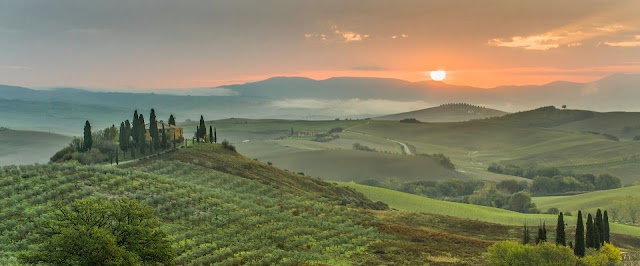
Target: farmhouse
168,129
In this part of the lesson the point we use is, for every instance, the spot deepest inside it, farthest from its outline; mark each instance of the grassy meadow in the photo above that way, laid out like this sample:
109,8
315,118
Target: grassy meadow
408,202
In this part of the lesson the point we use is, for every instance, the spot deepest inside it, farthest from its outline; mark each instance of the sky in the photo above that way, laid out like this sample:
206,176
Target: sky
195,43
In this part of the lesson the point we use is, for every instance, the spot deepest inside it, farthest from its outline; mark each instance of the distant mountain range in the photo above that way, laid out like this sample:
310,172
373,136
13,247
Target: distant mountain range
617,92
455,112
63,109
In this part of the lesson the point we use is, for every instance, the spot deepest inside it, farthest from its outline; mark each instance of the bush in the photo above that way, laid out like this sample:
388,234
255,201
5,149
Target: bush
359,147
513,253
409,120
227,145
553,211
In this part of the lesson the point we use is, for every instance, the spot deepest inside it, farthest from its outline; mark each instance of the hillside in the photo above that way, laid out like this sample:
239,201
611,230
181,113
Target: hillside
28,147
220,207
446,113
588,201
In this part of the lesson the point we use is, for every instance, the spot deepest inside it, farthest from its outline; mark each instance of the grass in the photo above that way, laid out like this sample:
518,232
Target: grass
587,201
408,202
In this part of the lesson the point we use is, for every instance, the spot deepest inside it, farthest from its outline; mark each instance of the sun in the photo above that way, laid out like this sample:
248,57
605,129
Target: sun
438,75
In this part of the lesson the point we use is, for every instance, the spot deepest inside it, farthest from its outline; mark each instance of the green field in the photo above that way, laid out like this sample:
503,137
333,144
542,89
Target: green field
28,147
408,202
587,201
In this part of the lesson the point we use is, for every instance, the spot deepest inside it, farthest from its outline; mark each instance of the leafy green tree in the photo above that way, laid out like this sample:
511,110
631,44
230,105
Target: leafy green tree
579,248
88,140
560,234
172,120
607,235
102,232
153,130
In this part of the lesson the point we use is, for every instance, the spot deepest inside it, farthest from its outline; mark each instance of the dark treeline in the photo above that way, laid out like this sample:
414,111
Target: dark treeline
552,181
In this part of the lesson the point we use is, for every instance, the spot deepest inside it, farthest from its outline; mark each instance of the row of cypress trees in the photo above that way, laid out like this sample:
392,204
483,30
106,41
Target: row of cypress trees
597,232
133,134
201,132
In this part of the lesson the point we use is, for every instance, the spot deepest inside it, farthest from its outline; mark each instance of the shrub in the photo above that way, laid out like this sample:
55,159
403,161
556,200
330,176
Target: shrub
359,147
553,210
409,120
513,253
227,145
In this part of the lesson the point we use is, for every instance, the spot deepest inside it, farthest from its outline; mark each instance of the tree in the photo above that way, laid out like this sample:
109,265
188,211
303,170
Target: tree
88,140
164,138
142,138
123,138
579,248
215,136
540,236
117,160
172,120
520,202
153,130
202,129
560,234
210,134
593,236
102,232
135,129
544,231
292,132
600,226
526,238
607,236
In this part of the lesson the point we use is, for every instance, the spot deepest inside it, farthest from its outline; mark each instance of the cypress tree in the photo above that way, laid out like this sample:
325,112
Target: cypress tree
526,238
210,134
121,143
164,138
560,235
203,128
579,249
600,224
196,134
127,127
540,236
135,130
590,243
215,135
605,220
172,120
142,138
596,236
88,139
544,231
153,130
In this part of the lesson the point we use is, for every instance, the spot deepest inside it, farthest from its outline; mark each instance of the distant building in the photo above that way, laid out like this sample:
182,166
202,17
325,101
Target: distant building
168,129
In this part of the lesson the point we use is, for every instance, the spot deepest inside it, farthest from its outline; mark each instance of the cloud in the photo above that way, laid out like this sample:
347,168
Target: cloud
630,43
399,36
534,42
571,37
353,106
338,35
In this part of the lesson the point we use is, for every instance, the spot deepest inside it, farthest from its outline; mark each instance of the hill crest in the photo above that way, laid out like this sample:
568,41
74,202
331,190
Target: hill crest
451,112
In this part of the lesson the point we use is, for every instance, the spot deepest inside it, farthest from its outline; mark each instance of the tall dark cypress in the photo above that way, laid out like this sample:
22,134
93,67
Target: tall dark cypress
142,138
197,134
596,236
526,238
172,120
127,127
540,236
215,135
203,128
88,139
590,232
605,221
164,138
600,225
579,248
153,130
210,134
135,130
560,235
544,231
122,144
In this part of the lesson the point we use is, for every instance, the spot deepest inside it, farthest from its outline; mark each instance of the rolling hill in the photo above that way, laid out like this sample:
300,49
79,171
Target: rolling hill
28,147
220,207
446,113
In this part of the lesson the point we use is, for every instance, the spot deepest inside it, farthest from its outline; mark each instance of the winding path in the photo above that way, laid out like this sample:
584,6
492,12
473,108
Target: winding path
405,147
